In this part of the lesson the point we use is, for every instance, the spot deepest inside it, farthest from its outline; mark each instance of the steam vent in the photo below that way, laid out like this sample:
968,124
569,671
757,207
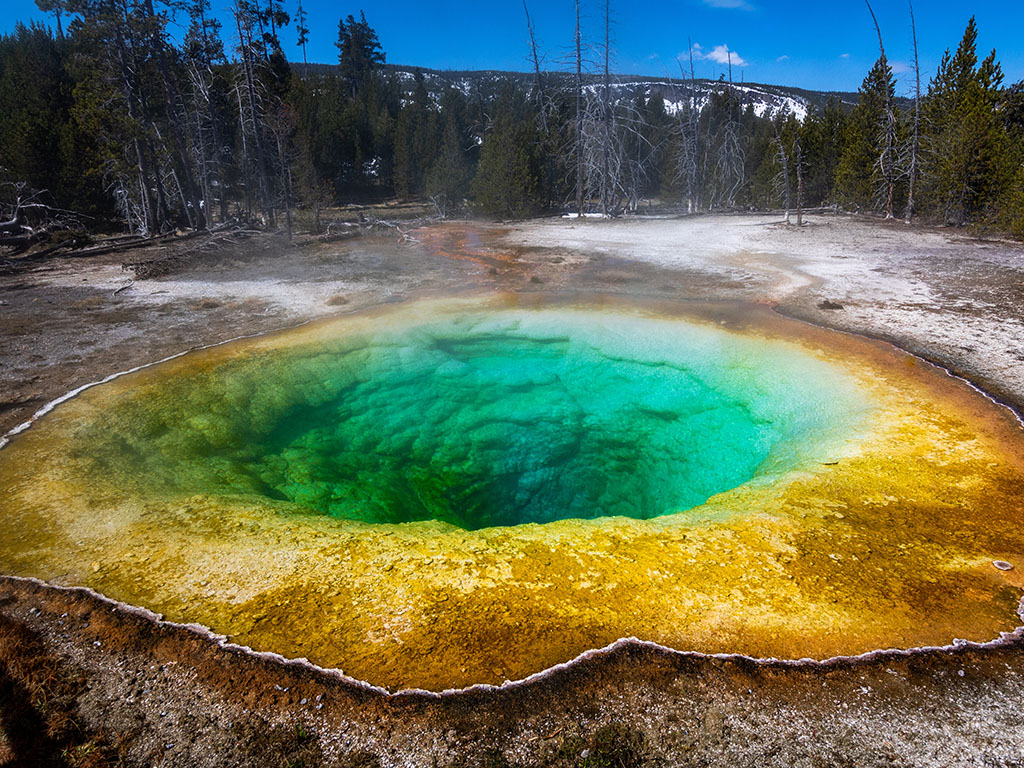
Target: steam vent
442,493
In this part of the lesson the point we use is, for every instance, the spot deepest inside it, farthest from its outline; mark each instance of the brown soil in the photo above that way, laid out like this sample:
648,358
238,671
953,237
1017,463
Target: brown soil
132,690
174,696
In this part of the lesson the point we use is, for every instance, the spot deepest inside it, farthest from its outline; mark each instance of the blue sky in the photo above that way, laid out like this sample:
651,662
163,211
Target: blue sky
827,45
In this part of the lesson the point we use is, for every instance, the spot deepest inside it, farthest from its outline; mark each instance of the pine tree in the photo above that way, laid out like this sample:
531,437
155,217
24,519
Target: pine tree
862,181
965,169
302,28
507,180
821,138
116,102
35,92
359,52
1011,206
273,16
58,8
416,140
448,181
209,118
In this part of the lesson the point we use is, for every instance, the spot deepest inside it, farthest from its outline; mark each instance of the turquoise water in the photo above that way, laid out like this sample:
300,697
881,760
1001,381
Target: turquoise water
484,419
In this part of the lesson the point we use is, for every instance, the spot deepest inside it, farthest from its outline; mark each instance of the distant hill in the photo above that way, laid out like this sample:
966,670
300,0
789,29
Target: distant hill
767,100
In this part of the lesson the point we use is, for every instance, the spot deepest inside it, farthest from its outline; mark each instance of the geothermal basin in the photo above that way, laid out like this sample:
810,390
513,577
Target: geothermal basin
448,492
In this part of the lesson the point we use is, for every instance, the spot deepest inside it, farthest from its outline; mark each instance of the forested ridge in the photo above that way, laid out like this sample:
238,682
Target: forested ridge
109,122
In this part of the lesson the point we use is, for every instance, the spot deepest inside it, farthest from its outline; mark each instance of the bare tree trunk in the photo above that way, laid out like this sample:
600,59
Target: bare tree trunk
735,157
133,107
579,116
287,175
13,225
538,77
886,161
606,107
246,158
199,143
695,177
542,109
728,174
259,156
132,65
195,215
218,164
798,150
917,122
633,156
784,159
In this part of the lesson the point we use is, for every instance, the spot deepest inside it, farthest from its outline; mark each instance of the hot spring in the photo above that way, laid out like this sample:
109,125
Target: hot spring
450,492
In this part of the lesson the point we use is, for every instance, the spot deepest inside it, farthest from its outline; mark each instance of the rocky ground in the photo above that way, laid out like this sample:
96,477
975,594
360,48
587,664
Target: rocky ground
94,684
938,293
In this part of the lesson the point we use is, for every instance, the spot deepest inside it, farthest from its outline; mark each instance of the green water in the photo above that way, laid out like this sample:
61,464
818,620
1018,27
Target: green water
483,419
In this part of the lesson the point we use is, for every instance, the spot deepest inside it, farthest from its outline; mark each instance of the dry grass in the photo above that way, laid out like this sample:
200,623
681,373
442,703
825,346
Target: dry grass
39,723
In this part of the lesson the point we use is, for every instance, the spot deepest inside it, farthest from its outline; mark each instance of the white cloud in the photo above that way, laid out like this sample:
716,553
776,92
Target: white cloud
742,5
900,67
720,54
844,56
783,57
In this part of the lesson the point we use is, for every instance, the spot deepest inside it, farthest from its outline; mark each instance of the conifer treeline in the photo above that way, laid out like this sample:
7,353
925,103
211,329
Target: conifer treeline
116,120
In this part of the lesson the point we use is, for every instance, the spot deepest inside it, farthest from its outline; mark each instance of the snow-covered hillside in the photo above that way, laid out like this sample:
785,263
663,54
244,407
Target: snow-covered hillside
766,100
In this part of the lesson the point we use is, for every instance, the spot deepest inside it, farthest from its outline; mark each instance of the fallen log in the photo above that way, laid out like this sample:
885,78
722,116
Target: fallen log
10,226
163,265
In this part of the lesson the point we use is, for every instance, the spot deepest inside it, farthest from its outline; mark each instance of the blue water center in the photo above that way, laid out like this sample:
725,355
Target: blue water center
488,419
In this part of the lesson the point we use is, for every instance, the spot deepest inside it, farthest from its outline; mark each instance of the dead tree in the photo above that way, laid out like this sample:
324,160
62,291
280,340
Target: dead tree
606,107
618,155
732,159
782,179
186,180
688,162
916,140
25,218
591,144
15,225
281,125
798,152
538,75
205,138
251,111
598,146
547,124
128,68
729,169
694,115
202,51
886,163
579,115
638,155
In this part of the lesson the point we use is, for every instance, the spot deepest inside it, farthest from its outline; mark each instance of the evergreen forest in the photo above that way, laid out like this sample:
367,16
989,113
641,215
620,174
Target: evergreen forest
111,122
